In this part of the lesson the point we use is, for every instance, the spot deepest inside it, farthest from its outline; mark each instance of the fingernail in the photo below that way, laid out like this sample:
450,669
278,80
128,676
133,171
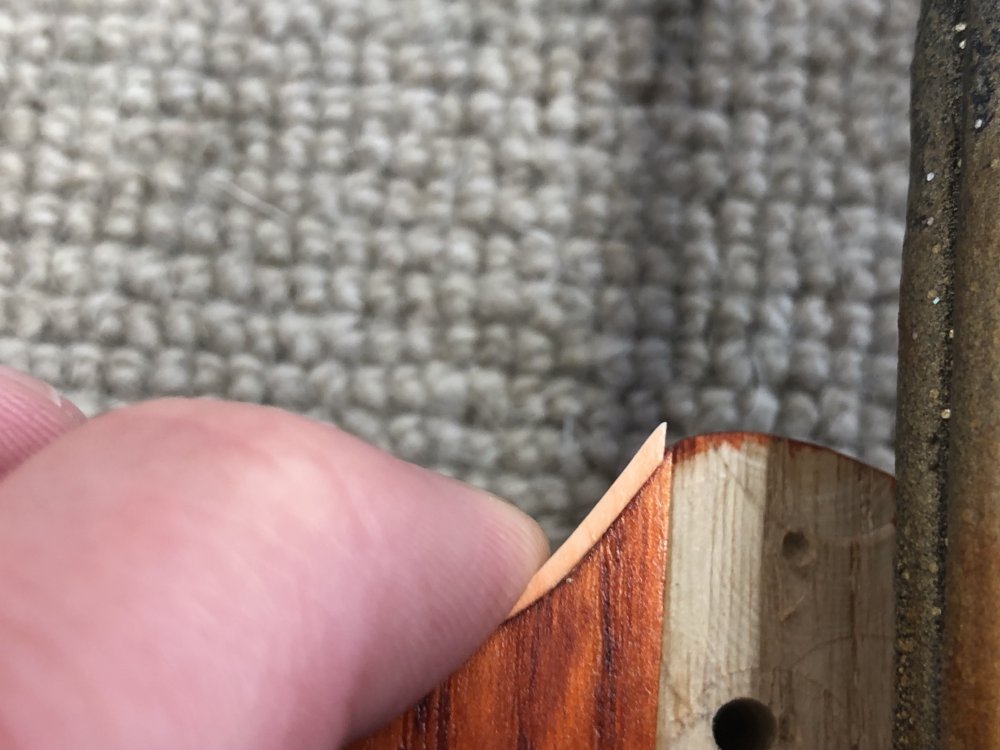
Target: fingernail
28,383
39,388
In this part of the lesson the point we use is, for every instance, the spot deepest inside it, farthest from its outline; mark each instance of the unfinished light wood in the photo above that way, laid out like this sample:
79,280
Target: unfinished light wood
781,591
743,567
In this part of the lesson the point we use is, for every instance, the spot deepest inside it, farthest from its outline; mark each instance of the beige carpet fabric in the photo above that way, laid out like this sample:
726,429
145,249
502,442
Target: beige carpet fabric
501,239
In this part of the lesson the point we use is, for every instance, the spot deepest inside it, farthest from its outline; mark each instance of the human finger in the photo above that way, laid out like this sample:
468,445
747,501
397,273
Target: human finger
196,574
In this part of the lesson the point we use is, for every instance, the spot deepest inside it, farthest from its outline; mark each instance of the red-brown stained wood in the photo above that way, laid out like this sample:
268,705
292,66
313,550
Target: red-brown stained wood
578,669
696,445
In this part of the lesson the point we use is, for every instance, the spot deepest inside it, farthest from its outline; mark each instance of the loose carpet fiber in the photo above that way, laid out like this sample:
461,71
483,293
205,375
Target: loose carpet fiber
501,239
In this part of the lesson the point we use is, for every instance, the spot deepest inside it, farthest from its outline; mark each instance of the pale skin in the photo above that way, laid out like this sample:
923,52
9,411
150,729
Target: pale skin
201,574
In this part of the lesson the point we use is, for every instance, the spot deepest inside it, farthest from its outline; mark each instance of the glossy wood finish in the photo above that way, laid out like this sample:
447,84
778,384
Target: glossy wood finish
595,525
576,669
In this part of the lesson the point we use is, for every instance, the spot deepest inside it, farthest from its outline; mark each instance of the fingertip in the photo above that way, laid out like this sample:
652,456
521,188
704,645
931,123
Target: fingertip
460,559
529,543
32,415
272,560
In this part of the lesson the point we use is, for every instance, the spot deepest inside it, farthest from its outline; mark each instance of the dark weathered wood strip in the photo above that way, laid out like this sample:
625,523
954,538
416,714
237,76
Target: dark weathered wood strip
970,704
925,361
948,430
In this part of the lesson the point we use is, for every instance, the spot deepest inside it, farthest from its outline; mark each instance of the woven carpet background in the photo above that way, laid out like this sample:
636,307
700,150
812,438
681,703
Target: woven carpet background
501,239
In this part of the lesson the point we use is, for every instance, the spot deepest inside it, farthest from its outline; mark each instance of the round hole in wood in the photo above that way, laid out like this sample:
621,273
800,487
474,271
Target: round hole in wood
744,724
796,549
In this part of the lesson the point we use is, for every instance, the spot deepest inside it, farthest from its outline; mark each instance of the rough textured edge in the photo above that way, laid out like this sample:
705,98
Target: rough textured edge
970,686
948,437
925,361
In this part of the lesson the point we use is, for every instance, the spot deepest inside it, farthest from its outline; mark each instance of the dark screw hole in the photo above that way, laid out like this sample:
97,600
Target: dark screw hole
744,724
795,548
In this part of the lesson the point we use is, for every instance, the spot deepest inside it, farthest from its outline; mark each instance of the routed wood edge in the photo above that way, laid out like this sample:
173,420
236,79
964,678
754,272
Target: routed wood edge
597,522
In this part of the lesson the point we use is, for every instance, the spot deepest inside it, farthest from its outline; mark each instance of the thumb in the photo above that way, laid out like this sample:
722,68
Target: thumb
197,574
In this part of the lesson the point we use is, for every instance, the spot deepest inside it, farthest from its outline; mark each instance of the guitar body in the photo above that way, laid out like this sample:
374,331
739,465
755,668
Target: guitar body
733,591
